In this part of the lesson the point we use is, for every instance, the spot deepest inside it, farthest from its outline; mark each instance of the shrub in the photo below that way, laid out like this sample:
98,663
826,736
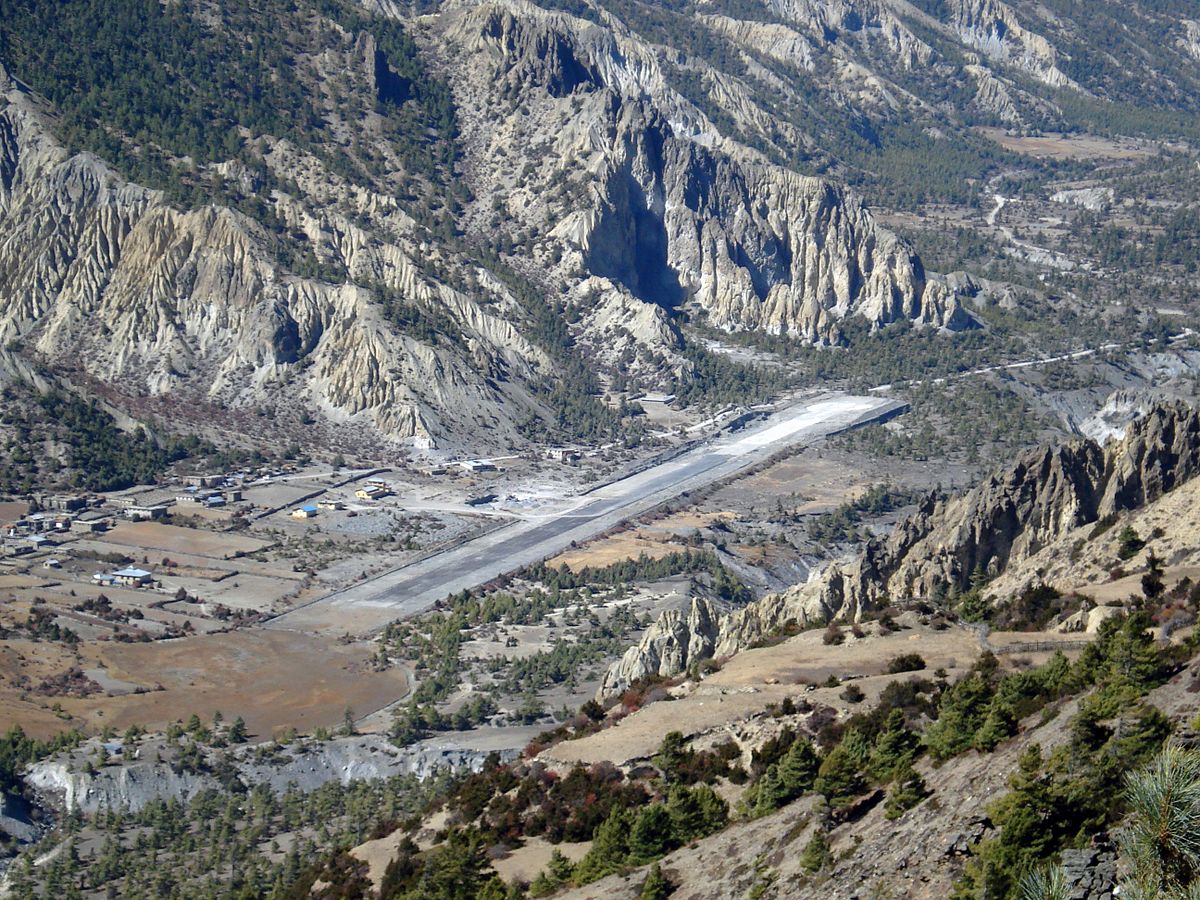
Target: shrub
907,662
853,694
1102,525
833,636
656,886
1152,580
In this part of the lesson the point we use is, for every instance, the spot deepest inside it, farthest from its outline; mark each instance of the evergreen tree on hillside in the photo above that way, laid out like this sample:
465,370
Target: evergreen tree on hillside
907,790
651,835
696,812
610,848
656,885
841,776
1163,844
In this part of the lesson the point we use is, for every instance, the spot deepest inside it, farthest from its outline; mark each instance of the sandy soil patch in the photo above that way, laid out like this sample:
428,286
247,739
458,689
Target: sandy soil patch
1120,590
682,522
606,551
245,591
378,853
11,511
17,582
526,862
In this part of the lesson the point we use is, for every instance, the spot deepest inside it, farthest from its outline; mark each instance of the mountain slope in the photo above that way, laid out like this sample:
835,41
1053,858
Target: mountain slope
341,272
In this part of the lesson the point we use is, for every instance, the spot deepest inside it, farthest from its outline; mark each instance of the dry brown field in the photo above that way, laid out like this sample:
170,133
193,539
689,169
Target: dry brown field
175,539
1069,146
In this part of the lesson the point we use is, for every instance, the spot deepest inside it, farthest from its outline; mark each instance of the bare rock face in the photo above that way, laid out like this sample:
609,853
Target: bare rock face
1189,40
1006,519
1160,452
992,28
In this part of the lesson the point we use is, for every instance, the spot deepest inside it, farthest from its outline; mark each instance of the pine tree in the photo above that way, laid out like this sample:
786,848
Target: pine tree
798,768
817,853
999,724
1152,580
1129,543
1164,842
237,731
907,790
543,885
651,835
894,748
768,793
610,848
960,713
696,812
559,867
656,886
841,774
672,754
1045,884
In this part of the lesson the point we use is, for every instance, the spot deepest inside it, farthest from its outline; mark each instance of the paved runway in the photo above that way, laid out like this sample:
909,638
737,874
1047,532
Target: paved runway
417,586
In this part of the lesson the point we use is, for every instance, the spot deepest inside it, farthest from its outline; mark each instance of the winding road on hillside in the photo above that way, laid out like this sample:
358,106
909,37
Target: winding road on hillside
415,587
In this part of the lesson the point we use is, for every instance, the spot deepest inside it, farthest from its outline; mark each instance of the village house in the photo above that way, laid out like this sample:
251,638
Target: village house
137,513
307,511
371,492
63,502
130,576
476,465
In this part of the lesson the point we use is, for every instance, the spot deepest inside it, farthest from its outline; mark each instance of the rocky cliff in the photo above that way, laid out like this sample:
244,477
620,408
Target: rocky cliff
1008,518
612,189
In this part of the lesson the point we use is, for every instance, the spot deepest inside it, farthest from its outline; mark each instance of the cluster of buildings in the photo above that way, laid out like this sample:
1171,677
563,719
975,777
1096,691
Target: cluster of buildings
372,489
198,491
375,489
25,531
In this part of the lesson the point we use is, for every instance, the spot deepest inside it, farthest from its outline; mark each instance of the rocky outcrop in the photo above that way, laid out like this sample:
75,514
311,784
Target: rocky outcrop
1093,198
1190,40
1091,873
756,247
667,646
16,824
1006,519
